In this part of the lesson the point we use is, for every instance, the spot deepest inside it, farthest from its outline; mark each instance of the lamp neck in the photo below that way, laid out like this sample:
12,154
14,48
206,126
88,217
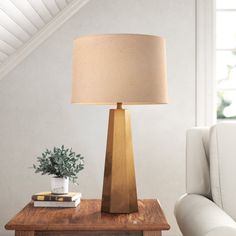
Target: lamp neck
119,105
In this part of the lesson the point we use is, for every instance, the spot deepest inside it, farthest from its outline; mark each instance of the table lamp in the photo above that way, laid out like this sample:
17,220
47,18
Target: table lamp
119,69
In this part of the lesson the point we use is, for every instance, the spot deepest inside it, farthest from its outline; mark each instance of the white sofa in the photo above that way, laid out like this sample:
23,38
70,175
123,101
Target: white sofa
209,206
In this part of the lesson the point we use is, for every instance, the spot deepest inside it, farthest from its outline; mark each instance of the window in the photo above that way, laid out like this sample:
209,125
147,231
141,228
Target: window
226,58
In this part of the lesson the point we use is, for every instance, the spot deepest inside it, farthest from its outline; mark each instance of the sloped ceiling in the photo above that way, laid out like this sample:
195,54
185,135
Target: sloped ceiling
25,24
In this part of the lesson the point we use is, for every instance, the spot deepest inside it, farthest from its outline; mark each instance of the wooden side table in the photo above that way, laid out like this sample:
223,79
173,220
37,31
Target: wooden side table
88,220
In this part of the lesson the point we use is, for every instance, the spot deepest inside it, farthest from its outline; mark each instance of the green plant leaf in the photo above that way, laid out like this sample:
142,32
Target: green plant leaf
61,162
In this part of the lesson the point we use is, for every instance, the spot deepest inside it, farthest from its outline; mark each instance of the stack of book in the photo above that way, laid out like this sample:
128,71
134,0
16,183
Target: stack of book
47,199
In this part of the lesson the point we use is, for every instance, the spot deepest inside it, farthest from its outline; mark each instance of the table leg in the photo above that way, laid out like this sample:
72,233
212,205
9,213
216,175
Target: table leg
151,233
24,233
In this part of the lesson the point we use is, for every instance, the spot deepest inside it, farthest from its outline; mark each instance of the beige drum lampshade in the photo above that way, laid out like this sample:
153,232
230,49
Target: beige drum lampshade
125,68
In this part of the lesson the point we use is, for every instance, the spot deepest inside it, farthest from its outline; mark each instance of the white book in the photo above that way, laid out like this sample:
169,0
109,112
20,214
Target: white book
56,203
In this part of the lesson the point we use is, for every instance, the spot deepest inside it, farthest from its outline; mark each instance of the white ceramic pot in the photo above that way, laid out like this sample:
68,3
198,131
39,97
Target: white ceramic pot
59,185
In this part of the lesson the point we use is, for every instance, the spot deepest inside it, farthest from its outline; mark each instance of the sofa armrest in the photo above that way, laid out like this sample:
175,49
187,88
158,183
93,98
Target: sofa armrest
198,216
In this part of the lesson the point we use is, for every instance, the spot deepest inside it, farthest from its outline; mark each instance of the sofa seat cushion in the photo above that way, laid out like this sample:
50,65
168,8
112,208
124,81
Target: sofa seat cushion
223,166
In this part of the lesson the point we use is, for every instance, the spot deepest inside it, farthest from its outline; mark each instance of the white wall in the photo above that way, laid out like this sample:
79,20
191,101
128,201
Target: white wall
35,109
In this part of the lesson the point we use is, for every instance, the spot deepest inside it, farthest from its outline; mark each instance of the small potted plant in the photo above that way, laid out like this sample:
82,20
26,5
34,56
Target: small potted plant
63,164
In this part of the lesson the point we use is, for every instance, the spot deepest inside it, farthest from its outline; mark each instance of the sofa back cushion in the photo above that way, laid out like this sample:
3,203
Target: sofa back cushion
223,166
197,153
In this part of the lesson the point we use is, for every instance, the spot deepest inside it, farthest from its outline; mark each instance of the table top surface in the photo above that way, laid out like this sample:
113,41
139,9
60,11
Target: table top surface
88,216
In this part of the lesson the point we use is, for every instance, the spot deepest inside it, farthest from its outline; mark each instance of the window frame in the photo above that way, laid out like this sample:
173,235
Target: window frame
205,62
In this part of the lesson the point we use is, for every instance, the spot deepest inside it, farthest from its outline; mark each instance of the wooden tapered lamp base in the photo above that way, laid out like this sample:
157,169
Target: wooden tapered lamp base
119,186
